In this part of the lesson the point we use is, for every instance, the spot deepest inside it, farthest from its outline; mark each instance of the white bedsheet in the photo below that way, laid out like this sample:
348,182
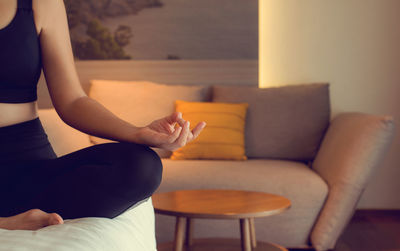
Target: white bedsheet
132,230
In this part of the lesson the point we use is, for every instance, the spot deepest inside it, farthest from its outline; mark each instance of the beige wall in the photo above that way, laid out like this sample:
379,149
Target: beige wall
354,45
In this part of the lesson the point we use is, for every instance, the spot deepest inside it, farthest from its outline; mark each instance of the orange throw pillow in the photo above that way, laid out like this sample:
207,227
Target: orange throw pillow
222,138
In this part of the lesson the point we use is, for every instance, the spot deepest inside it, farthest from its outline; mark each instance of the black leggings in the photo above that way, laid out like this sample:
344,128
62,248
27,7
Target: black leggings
99,181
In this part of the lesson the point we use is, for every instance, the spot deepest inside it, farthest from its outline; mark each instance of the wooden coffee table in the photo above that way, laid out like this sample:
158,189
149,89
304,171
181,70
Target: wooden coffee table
218,204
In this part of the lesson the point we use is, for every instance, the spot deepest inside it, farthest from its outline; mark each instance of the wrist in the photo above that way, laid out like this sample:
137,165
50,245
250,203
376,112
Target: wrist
134,134
144,136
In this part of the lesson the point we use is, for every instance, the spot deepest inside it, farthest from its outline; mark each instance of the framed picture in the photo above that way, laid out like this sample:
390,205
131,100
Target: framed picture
163,29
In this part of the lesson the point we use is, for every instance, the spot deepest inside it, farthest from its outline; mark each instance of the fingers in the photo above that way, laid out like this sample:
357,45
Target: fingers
182,139
199,127
174,117
174,121
179,129
182,135
193,134
174,136
181,122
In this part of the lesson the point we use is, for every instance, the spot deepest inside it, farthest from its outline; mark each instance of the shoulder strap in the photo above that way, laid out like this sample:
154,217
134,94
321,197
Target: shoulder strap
25,4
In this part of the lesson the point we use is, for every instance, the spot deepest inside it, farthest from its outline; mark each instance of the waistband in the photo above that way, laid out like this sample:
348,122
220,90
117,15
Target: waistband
24,142
30,125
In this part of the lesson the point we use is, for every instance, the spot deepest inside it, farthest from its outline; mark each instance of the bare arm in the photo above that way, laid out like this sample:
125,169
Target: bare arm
71,102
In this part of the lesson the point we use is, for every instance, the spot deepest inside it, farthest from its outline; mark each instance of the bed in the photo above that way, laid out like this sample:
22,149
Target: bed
132,230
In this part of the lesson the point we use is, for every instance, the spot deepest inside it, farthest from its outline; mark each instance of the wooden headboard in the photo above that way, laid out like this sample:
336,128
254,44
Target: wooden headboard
187,72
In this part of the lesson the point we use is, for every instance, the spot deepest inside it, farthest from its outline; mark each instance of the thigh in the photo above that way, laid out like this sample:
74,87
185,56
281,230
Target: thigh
99,181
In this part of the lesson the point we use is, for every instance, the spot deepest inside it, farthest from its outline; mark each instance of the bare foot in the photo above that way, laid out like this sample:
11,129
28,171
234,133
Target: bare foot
33,219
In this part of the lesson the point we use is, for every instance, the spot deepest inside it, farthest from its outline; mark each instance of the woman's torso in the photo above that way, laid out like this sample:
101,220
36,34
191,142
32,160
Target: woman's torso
11,114
14,113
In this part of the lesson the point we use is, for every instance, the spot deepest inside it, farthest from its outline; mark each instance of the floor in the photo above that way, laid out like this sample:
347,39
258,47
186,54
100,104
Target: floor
372,230
369,230
220,244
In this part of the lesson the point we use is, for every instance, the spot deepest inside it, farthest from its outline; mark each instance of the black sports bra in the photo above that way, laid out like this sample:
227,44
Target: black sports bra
20,60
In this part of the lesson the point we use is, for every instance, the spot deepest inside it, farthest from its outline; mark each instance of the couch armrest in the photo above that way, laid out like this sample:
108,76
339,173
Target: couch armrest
352,148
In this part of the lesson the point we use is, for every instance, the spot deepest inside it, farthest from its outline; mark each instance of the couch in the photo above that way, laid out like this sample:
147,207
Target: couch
297,150
294,149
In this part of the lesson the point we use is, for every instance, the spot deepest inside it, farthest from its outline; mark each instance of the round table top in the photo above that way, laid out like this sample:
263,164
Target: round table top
219,204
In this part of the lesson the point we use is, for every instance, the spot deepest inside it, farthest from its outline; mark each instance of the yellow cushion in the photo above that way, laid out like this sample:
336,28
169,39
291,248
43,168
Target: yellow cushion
222,138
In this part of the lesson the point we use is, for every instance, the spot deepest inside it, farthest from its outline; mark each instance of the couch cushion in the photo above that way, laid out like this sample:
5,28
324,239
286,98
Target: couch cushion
288,178
282,122
63,138
294,180
141,102
222,138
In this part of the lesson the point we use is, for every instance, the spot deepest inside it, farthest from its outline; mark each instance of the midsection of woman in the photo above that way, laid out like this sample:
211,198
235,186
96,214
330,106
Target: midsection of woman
11,114
19,144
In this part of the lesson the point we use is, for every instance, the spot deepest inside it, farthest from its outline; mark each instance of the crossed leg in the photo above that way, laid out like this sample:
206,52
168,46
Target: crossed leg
99,181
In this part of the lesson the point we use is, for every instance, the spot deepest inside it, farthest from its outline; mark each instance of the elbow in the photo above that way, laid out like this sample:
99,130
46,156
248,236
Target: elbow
68,109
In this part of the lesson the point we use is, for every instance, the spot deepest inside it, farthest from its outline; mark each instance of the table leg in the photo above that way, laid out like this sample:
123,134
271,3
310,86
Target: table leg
253,233
179,233
189,231
245,234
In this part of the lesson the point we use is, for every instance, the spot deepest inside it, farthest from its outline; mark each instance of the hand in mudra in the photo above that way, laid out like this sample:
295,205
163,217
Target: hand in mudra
164,133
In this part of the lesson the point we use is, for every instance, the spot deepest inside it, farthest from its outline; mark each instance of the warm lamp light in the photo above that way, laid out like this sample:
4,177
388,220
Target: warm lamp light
268,63
290,42
262,38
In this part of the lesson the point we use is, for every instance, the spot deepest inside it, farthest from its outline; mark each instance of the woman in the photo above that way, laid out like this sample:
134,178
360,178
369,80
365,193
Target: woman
99,181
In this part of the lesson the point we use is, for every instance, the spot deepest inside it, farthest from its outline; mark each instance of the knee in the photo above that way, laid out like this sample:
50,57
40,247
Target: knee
149,168
143,168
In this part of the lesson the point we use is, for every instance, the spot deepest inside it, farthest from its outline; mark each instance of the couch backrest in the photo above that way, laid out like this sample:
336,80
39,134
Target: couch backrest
282,122
286,122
